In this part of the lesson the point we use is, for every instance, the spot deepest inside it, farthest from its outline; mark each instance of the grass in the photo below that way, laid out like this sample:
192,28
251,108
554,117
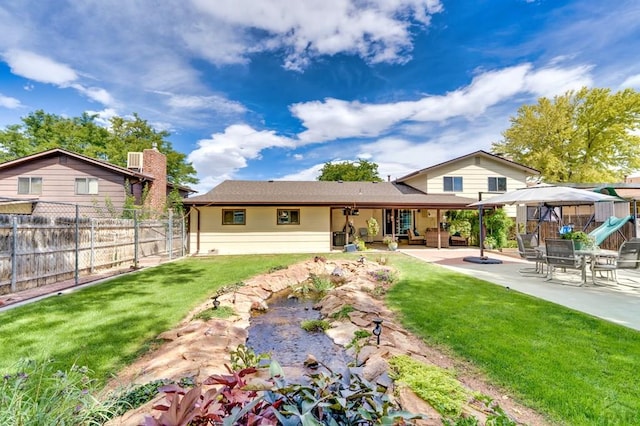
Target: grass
579,369
107,326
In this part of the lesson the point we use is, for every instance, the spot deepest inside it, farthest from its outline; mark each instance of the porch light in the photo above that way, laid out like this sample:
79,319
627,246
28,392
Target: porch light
377,330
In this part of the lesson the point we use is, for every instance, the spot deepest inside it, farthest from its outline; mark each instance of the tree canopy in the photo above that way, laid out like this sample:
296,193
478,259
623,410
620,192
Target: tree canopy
589,135
41,131
361,170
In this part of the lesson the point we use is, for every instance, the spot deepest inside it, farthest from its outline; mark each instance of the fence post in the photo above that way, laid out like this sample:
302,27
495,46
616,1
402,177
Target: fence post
77,271
136,237
14,255
182,237
170,234
93,255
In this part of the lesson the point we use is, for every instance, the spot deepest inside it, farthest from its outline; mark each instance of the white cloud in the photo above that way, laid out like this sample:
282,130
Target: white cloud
310,173
39,68
376,30
632,82
213,103
552,81
95,93
9,102
336,119
225,153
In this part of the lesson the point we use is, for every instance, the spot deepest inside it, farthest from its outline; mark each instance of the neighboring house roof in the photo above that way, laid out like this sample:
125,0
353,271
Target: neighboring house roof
472,155
99,163
360,194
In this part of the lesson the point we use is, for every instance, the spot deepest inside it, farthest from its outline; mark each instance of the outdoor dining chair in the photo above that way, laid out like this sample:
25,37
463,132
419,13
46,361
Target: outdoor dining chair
628,258
561,253
527,251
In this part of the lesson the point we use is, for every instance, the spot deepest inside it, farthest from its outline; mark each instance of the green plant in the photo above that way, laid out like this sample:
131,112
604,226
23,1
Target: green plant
139,395
577,236
277,268
37,393
490,242
358,342
498,225
220,312
388,239
384,275
360,244
244,357
436,386
343,312
315,325
372,227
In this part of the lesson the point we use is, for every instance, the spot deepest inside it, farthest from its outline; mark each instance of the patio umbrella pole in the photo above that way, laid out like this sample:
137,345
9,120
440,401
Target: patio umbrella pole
480,210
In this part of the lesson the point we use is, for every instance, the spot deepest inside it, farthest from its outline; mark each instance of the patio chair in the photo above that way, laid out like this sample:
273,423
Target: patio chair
528,252
561,254
415,239
628,258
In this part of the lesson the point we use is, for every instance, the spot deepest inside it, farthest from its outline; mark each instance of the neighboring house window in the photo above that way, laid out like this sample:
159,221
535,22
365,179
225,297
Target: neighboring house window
452,183
497,184
234,217
288,217
29,185
86,186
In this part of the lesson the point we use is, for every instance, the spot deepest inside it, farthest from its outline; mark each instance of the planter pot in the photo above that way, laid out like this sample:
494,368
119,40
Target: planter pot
578,245
393,246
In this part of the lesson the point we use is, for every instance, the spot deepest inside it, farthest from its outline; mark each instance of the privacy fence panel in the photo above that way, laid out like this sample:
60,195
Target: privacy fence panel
59,242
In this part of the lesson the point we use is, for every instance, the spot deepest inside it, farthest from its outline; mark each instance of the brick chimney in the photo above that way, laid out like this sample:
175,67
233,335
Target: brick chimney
155,165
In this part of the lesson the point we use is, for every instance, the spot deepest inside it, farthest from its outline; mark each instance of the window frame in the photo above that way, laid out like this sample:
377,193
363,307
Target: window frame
30,190
496,180
87,181
234,212
452,180
290,213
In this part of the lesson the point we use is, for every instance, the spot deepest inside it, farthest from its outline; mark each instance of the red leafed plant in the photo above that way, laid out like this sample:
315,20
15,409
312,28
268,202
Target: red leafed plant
231,403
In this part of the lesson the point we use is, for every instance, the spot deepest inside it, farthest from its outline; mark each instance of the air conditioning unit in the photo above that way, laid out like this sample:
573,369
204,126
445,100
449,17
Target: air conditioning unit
134,160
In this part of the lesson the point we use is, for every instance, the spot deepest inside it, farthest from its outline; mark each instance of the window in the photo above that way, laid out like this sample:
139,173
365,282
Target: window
86,186
29,185
497,184
234,217
288,217
452,183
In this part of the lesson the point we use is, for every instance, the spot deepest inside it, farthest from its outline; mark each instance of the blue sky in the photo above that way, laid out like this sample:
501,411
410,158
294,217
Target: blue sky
273,89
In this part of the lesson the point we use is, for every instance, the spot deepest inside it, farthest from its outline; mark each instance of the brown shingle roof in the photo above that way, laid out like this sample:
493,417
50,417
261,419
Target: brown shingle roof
362,194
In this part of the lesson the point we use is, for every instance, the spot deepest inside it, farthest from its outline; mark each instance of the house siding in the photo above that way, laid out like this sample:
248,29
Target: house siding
58,175
475,172
260,234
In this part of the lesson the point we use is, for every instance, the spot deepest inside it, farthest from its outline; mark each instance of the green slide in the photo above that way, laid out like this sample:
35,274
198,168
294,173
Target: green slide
609,226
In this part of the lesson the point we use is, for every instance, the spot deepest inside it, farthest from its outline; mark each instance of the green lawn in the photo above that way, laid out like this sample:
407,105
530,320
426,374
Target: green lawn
107,326
578,369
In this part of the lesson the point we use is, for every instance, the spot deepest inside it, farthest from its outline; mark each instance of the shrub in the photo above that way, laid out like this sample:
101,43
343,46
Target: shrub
36,393
384,276
315,325
343,312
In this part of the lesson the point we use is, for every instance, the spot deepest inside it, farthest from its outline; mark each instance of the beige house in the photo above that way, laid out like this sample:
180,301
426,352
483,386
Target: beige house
58,175
241,217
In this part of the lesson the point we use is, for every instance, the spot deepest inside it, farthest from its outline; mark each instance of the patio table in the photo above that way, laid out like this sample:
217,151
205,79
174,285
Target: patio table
588,257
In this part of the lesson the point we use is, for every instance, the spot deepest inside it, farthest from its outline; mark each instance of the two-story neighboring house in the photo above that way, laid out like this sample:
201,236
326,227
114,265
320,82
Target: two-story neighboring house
478,175
239,217
58,175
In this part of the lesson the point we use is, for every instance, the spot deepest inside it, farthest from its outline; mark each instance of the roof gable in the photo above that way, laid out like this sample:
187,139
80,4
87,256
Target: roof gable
84,158
480,153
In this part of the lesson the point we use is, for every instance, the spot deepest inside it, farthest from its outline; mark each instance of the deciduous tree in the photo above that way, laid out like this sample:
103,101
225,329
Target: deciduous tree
589,135
361,170
41,131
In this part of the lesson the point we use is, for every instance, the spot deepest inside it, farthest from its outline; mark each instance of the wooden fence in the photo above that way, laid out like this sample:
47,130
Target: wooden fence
40,250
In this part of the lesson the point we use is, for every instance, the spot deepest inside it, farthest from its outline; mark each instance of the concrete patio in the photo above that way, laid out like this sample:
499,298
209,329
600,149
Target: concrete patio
618,303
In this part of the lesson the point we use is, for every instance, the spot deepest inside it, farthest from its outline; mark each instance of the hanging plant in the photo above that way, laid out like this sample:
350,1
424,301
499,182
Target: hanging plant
372,227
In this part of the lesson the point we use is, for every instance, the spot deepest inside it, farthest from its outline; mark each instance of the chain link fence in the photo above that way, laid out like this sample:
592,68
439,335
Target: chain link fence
43,243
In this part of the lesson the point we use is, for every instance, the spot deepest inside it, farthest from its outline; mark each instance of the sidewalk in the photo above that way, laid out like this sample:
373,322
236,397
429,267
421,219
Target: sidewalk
618,303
